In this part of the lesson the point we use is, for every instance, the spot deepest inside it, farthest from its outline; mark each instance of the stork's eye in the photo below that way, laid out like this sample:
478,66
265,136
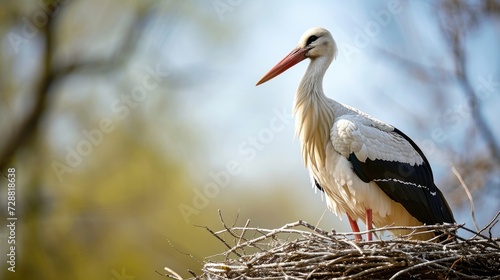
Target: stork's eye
311,39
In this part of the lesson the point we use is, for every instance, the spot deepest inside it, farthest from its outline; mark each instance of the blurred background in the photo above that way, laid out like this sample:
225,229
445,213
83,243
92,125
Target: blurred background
130,123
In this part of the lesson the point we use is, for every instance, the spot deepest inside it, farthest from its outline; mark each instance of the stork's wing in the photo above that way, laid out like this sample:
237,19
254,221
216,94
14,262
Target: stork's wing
388,157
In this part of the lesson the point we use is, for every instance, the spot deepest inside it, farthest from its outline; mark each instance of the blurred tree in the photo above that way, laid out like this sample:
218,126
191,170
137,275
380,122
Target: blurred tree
461,89
86,100
458,20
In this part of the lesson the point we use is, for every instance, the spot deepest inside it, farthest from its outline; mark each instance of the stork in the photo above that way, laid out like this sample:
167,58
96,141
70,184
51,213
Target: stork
368,169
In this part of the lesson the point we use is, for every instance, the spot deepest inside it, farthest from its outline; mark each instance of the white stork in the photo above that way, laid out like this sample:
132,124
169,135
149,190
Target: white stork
368,169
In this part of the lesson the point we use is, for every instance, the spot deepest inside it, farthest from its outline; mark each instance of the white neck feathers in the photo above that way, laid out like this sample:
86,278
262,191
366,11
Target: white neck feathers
314,114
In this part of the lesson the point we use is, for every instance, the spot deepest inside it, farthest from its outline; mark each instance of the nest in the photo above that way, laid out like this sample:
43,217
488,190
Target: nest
302,251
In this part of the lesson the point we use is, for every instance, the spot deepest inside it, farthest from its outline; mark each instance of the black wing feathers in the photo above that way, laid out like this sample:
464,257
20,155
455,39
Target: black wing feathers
411,185
318,185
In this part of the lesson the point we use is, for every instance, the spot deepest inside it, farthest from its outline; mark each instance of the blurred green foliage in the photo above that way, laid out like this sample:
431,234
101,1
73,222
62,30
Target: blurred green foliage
102,171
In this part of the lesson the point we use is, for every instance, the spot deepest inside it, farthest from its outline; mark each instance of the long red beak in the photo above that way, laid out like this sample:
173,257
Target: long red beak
294,57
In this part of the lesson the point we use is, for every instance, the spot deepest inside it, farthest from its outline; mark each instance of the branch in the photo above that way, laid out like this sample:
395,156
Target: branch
51,75
453,25
469,195
30,123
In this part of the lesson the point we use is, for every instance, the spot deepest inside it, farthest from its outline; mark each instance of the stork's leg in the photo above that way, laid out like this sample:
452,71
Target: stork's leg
369,224
354,227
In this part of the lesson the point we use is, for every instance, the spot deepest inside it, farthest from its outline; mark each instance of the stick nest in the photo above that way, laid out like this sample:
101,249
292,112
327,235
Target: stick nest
302,251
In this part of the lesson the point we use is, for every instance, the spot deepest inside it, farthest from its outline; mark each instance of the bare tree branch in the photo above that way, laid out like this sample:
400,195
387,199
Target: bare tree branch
28,126
458,18
51,75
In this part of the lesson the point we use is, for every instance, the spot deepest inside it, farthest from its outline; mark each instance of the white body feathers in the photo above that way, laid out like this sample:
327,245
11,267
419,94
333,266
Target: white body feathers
354,132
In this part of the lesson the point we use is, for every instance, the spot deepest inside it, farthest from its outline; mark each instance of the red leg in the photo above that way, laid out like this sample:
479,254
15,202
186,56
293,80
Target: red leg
369,223
354,227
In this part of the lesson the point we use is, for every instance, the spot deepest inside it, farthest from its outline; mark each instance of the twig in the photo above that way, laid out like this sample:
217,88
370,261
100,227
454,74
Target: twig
469,195
224,225
243,232
220,239
236,219
353,245
320,218
172,274
491,224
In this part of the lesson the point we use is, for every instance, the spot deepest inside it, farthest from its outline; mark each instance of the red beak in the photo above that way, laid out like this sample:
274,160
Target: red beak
294,57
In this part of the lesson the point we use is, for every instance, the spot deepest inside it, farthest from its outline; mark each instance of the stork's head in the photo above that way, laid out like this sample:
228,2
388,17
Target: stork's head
315,43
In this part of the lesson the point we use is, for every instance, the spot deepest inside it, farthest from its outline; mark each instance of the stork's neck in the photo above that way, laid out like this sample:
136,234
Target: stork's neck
314,113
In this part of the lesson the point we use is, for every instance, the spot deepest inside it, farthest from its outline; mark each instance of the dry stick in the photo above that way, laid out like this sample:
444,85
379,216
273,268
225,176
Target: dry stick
311,227
246,240
229,230
487,244
250,242
452,266
283,229
184,253
420,265
469,195
266,233
324,234
353,245
450,269
236,219
225,226
192,273
416,230
320,218
476,234
243,232
240,268
491,224
221,240
489,231
374,269
173,274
